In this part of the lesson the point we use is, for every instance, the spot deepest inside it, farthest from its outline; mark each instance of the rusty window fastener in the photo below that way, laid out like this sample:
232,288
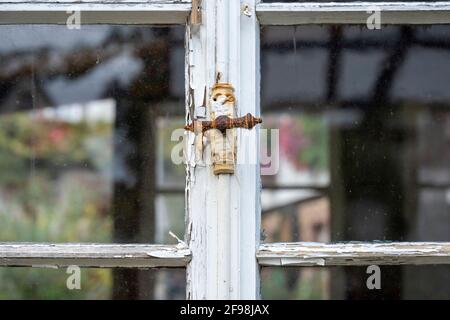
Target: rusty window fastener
222,123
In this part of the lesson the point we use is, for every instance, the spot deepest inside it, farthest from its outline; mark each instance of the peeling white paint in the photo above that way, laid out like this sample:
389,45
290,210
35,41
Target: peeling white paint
321,254
352,12
93,255
45,266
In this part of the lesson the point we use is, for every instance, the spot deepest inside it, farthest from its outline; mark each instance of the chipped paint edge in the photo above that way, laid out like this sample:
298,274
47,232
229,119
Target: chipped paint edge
94,255
353,254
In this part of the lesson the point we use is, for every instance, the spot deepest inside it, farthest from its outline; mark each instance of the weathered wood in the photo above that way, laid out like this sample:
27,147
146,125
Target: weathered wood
352,12
95,11
223,212
160,2
93,255
353,254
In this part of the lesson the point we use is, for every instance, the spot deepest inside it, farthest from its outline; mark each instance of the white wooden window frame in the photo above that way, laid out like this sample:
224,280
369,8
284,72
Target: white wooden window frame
223,230
221,251
95,11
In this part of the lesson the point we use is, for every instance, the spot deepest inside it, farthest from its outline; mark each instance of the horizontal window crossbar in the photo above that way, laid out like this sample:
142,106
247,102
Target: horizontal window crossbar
95,11
303,254
300,254
353,12
93,255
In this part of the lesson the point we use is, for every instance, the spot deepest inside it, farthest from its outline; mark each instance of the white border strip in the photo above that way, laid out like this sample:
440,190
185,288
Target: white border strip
353,12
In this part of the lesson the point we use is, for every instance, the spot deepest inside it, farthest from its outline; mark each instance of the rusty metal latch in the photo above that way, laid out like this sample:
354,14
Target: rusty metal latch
222,123
222,107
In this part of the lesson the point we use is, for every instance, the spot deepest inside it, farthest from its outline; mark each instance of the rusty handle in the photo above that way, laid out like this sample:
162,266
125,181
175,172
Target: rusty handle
222,123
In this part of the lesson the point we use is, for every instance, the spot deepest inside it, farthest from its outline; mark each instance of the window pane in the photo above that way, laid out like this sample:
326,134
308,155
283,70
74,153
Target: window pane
94,284
395,282
86,118
364,133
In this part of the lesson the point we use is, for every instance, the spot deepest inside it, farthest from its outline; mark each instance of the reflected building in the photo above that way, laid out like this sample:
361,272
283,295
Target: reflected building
364,123
86,117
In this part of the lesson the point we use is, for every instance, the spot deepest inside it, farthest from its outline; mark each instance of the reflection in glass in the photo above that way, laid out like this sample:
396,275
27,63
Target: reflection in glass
364,120
416,282
85,123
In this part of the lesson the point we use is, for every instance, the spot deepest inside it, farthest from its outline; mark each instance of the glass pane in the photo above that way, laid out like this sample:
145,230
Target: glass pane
364,133
85,139
64,284
394,282
86,118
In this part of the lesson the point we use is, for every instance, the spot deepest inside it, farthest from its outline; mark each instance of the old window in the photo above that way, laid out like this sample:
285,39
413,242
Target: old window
354,92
